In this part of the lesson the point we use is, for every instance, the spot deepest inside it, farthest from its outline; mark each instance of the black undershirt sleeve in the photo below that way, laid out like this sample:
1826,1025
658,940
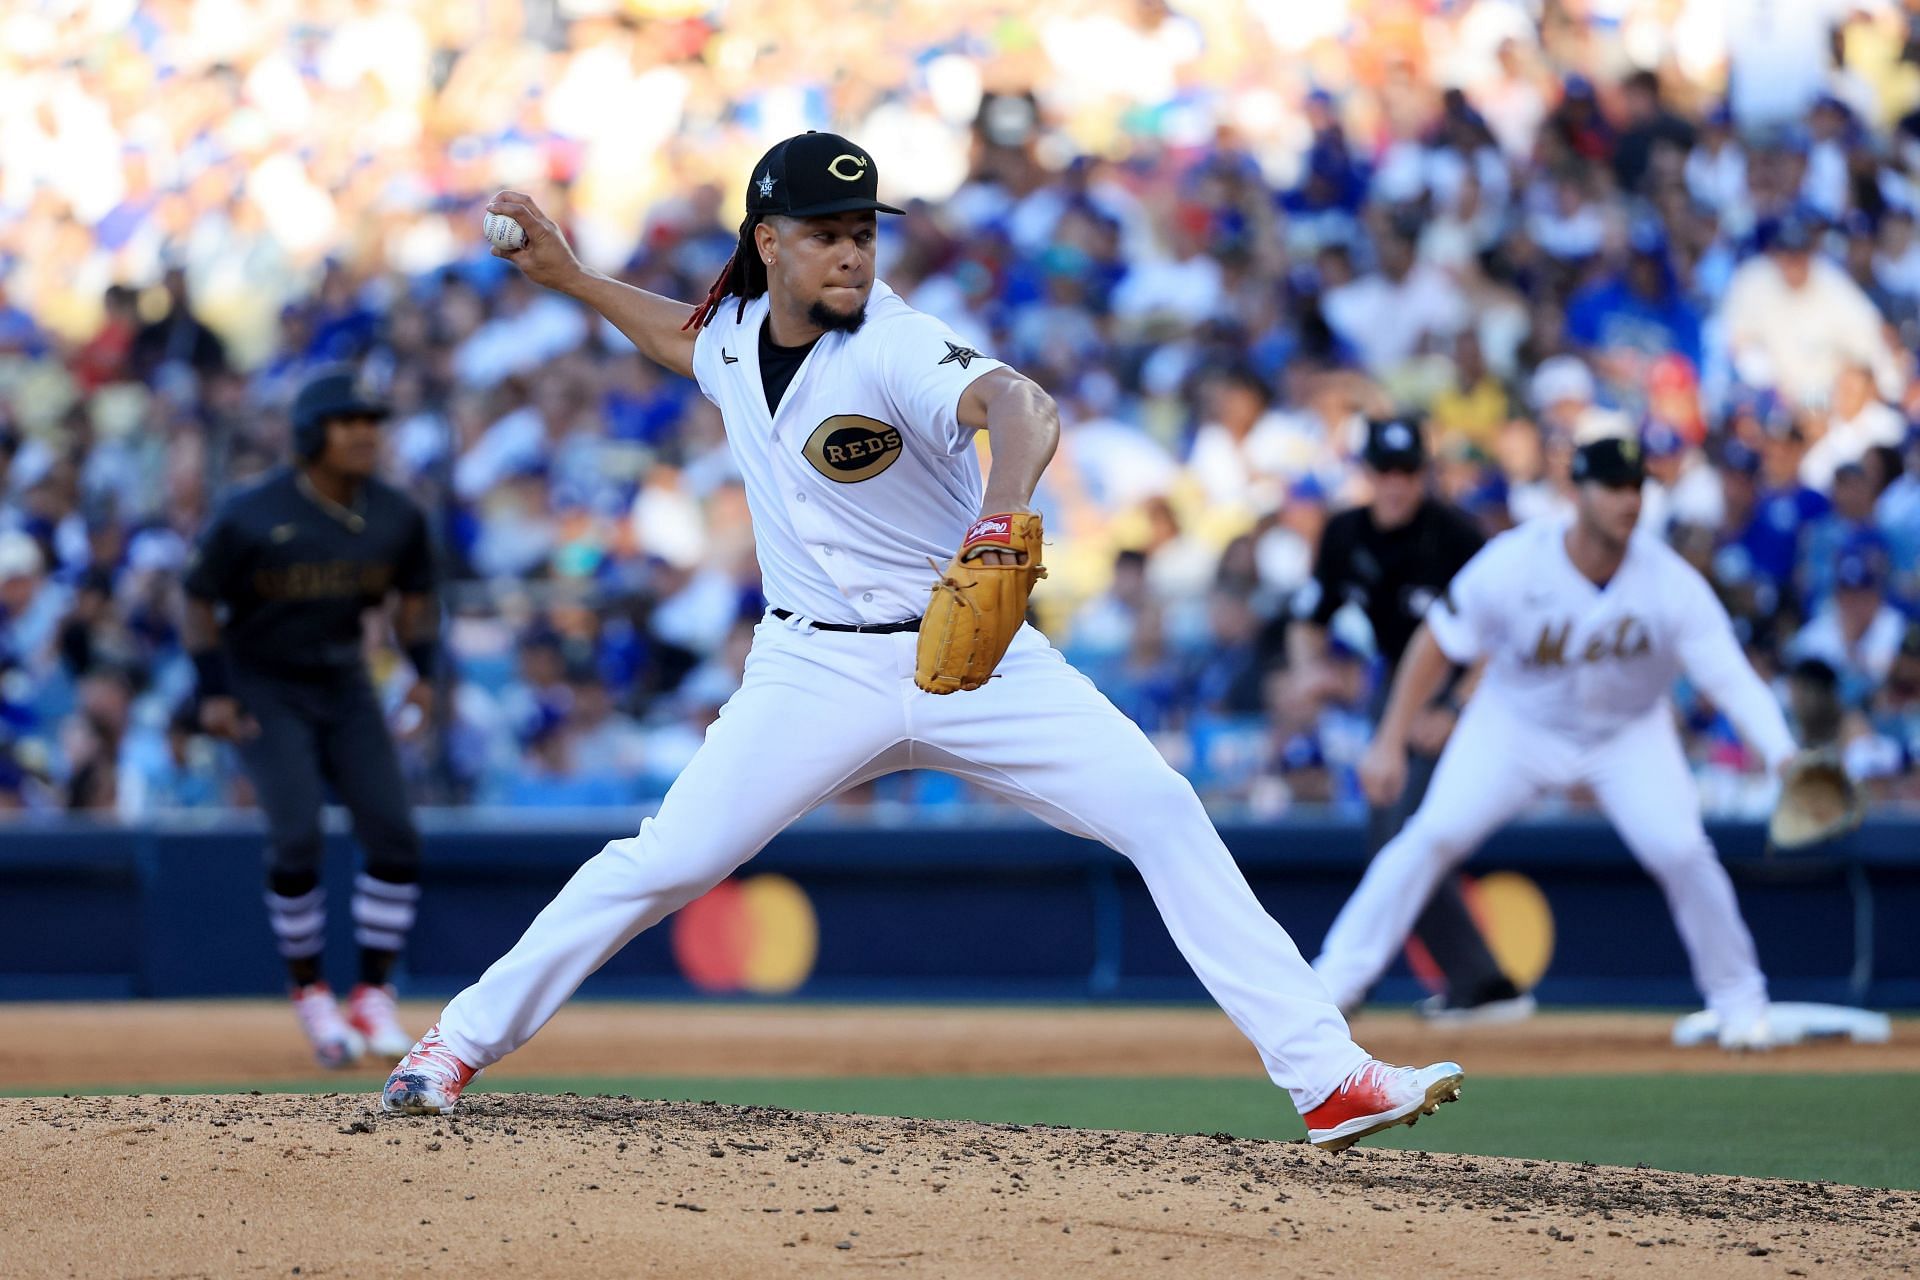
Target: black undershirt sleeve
1330,574
1462,542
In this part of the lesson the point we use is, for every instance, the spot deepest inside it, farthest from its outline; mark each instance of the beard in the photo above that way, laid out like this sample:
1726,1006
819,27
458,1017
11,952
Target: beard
827,320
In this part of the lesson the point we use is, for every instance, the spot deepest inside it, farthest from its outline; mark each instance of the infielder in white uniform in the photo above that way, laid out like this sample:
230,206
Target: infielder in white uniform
851,417
1583,627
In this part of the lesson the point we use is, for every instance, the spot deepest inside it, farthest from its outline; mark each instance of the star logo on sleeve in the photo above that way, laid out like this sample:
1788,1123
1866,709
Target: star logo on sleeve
957,354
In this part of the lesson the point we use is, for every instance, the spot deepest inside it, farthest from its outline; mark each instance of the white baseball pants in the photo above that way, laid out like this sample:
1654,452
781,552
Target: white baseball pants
1492,768
818,712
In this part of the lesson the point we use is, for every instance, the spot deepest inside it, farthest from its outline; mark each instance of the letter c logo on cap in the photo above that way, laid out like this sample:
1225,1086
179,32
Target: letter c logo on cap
859,167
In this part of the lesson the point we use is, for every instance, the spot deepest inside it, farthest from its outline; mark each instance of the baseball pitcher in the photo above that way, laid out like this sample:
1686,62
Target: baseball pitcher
1583,628
852,418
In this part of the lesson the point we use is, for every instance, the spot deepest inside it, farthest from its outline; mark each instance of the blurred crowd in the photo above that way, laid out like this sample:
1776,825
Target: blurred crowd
1222,234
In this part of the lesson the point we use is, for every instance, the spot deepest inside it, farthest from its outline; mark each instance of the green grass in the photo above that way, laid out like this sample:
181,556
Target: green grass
1842,1128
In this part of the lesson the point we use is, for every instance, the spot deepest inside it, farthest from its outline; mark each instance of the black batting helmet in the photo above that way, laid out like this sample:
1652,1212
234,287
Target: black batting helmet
329,394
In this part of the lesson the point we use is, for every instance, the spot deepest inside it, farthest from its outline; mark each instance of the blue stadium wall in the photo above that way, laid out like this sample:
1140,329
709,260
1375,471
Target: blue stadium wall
933,911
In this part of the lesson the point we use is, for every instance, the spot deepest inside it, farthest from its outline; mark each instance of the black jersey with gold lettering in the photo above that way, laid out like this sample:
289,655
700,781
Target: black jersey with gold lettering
295,571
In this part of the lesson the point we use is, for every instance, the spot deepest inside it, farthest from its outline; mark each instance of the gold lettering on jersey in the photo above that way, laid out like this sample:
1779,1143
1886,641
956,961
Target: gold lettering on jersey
848,448
1628,638
323,580
1550,650
1631,638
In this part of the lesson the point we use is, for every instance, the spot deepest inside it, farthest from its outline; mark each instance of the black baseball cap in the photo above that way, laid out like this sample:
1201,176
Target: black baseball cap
811,175
1393,444
1613,461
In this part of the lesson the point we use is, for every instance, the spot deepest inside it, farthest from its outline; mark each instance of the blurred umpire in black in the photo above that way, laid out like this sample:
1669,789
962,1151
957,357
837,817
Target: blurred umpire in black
1391,559
277,596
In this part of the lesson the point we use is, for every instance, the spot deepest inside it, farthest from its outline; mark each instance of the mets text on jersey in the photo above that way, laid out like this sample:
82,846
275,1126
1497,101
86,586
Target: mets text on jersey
1630,638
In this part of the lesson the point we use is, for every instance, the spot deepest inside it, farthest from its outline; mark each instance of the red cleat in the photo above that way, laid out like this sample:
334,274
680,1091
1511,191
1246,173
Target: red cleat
371,1012
1378,1096
335,1043
428,1081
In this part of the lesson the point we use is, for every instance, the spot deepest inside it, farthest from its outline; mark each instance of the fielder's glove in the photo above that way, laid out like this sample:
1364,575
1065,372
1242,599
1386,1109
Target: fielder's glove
977,608
1818,801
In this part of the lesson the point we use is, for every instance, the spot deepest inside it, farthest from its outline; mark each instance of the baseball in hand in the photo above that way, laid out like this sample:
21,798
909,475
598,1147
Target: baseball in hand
503,231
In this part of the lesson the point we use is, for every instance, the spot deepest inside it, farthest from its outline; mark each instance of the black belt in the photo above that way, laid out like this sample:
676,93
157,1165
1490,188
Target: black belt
869,628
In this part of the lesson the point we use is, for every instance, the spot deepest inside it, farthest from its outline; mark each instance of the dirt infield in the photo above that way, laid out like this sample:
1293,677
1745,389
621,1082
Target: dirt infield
174,1044
572,1186
325,1186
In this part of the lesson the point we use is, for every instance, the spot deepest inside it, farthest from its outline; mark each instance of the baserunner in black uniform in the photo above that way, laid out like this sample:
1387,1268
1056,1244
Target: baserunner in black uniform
277,594
1392,558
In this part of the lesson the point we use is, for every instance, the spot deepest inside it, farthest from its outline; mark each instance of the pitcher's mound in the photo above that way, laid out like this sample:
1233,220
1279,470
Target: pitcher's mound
574,1186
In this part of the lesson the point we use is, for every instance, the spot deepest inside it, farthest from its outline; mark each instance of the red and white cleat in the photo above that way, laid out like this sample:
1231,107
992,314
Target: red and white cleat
371,1012
335,1043
428,1080
1378,1096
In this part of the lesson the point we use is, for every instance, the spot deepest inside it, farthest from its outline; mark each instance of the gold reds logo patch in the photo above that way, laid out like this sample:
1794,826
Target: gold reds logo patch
848,448
857,167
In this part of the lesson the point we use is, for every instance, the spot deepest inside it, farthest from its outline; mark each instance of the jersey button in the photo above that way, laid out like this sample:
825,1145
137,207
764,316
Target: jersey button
868,597
799,497
826,551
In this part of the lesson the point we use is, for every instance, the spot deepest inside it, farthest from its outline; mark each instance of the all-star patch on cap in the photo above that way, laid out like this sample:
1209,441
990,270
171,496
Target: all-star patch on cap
811,175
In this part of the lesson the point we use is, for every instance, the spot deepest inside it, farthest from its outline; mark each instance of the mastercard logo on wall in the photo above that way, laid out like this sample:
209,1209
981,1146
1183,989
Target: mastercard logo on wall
757,935
1514,917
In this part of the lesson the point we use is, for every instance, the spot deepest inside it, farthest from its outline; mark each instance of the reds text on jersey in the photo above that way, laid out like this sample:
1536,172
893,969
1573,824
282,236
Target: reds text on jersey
865,472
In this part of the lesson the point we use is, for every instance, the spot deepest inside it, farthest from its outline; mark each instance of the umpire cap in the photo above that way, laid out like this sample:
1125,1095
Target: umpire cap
329,394
1393,444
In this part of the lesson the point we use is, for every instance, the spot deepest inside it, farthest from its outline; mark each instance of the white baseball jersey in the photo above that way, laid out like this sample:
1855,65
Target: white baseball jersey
1585,661
862,475
865,472
1576,692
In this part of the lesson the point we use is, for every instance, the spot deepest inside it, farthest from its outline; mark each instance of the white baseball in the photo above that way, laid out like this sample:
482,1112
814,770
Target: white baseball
504,231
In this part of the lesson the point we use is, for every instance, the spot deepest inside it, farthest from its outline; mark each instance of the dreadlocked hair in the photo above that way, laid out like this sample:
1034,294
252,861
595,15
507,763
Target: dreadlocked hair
744,277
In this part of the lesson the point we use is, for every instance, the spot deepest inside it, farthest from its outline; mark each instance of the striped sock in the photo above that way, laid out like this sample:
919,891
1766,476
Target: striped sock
382,912
299,922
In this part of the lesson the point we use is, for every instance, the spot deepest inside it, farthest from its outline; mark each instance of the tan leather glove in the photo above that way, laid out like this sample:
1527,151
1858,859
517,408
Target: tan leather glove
1818,801
976,608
